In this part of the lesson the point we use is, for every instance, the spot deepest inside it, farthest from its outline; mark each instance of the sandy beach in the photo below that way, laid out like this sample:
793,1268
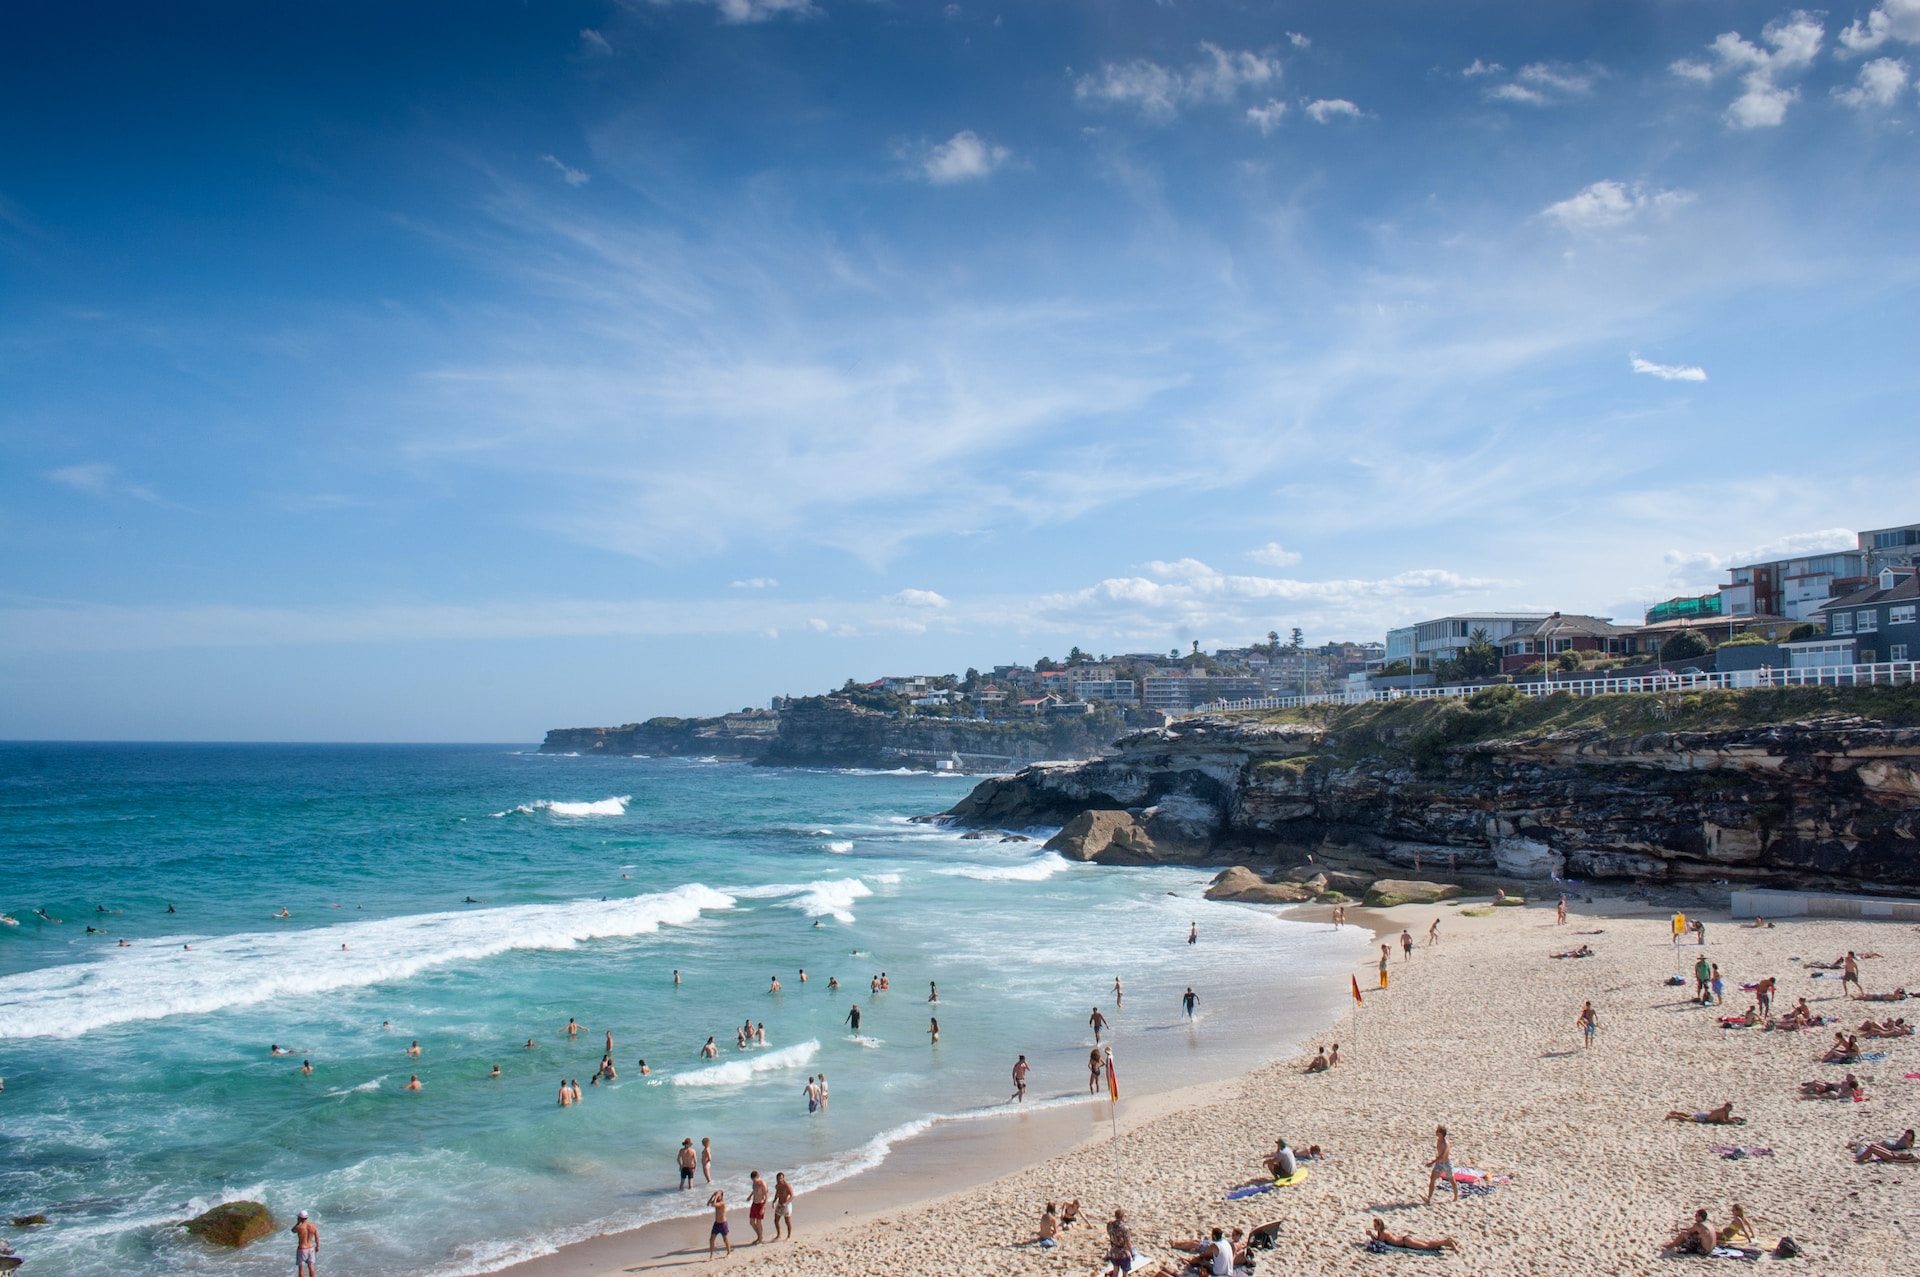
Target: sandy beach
1479,1034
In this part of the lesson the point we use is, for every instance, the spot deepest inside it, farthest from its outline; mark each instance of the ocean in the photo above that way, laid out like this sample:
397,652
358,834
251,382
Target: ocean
471,899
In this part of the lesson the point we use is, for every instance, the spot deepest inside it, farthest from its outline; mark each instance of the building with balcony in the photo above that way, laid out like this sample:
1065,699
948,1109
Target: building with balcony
1881,622
1795,588
1445,637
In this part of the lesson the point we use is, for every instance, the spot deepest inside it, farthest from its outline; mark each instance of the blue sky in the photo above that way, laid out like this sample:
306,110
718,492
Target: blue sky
452,371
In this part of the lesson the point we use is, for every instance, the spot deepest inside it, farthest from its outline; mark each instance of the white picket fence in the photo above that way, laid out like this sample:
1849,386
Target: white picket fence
1882,674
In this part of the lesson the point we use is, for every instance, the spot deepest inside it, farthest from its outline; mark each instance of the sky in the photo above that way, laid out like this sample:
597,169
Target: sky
452,371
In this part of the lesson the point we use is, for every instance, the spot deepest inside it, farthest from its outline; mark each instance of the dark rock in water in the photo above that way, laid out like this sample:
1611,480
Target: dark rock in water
1108,837
28,1221
1016,838
1389,892
1243,884
233,1224
977,835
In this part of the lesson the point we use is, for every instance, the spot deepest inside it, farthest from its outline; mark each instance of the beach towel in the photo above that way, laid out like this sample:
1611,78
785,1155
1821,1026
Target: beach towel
1731,1252
1377,1247
1872,1056
1734,1151
1913,1077
1298,1177
1467,1175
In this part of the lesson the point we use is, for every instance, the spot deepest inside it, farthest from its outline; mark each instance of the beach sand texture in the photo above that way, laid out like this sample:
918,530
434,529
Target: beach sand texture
1479,1034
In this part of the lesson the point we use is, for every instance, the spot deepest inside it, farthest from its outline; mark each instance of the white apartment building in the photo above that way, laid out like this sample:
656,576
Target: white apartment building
1445,637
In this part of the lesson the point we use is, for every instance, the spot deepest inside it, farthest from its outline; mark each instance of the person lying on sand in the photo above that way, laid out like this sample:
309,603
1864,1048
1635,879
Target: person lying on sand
1892,1027
1758,923
1845,1050
1897,1149
1406,1242
1842,1090
1584,951
1747,1019
1722,1116
1697,1238
1898,995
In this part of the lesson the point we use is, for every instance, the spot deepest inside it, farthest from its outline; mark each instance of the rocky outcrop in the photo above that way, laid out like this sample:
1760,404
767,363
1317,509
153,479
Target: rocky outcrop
1826,803
1109,837
1388,892
1243,884
746,735
233,1224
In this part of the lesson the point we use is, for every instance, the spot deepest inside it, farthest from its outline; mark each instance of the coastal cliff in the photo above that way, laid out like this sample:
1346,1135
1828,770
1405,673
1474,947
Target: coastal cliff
820,732
1804,787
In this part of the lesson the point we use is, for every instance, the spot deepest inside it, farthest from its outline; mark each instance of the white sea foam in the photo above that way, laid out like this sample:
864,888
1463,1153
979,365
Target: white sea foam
827,897
738,1072
888,879
1038,869
155,979
841,847
604,807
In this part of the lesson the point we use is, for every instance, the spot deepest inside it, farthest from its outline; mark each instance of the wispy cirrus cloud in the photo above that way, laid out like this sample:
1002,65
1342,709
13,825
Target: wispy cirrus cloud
745,12
1668,372
1160,92
591,41
1787,46
1269,117
1538,83
103,482
568,174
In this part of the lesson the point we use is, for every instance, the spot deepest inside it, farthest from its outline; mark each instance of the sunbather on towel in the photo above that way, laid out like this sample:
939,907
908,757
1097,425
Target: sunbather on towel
1898,995
1843,1090
1845,1050
1737,1226
1897,1149
1892,1027
1405,1242
1745,1021
1722,1116
1584,951
1697,1238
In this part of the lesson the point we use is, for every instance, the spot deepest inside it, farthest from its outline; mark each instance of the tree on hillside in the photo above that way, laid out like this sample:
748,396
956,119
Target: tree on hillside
1480,658
1075,656
1297,640
1684,646
1045,664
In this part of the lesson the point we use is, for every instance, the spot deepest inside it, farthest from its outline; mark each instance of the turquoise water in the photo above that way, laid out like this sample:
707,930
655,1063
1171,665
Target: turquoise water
139,1088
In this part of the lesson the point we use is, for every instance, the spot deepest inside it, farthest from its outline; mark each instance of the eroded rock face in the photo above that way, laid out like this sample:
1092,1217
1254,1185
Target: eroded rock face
1389,892
1243,884
1109,837
233,1224
1830,805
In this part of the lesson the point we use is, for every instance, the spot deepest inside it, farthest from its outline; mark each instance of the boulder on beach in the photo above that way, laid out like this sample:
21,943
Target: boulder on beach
1109,837
233,1224
1510,902
1243,884
1388,892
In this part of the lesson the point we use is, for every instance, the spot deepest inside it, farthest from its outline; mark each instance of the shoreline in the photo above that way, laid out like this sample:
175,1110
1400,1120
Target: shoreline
951,1157
1477,1034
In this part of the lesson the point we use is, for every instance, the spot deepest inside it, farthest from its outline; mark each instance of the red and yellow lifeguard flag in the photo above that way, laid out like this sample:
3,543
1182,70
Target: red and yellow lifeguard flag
1356,991
1113,1078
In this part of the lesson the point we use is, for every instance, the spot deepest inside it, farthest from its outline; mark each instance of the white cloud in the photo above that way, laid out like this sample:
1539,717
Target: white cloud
568,174
917,598
1324,109
1893,20
1482,68
1274,555
1300,41
1537,83
964,157
592,41
744,11
817,625
1696,567
103,482
1517,93
1267,118
1668,372
1879,85
1792,42
1559,79
756,583
1159,92
1608,204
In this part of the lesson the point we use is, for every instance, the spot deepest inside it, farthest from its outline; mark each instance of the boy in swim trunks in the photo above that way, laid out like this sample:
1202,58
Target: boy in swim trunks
757,1207
1442,1165
306,1240
782,1205
718,1233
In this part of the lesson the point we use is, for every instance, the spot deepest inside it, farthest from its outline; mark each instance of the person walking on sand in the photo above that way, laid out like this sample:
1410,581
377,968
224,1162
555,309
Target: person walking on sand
1589,1022
687,1160
757,1206
1119,1245
1384,954
706,1160
718,1233
1441,1165
1850,974
1189,1000
1560,914
1406,945
306,1246
1020,1070
783,1196
1094,1065
1433,934
1098,1022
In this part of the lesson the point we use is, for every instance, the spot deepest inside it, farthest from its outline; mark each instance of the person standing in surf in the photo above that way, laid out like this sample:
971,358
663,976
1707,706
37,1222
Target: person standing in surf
813,1095
853,1018
687,1160
823,1092
934,1029
1193,933
1116,993
1189,1000
306,1240
1098,1022
1094,1066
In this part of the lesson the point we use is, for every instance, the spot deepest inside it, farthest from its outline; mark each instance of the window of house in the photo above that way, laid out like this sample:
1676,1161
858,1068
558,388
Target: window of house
1897,652
1840,623
1902,615
1866,622
1868,656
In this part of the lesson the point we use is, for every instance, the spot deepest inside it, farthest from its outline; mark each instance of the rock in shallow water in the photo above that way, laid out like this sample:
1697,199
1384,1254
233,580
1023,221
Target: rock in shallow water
1389,892
1243,884
233,1224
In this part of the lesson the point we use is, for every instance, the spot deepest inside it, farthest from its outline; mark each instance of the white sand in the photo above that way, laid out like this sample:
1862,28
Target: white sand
1479,1034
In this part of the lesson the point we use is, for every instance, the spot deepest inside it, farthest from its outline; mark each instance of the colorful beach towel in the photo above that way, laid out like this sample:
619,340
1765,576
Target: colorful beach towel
1377,1247
1298,1177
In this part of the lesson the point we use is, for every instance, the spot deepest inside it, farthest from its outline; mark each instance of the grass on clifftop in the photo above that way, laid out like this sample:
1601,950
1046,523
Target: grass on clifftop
1428,727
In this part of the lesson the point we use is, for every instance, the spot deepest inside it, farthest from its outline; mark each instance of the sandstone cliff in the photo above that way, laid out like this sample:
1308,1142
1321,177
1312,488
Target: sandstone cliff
1811,787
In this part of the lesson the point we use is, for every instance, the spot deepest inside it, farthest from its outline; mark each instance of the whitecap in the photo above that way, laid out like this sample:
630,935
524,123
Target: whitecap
1038,869
840,848
823,898
738,1072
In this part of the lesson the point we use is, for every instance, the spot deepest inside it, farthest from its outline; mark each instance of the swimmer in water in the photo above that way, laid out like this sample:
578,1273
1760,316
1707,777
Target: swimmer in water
573,1030
386,1024
803,975
413,1083
532,1045
816,922
470,900
276,1050
169,908
934,1030
495,1075
775,986
91,931
833,983
644,1070
306,1066
710,1051
566,1094
676,975
123,944
415,1048
283,913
